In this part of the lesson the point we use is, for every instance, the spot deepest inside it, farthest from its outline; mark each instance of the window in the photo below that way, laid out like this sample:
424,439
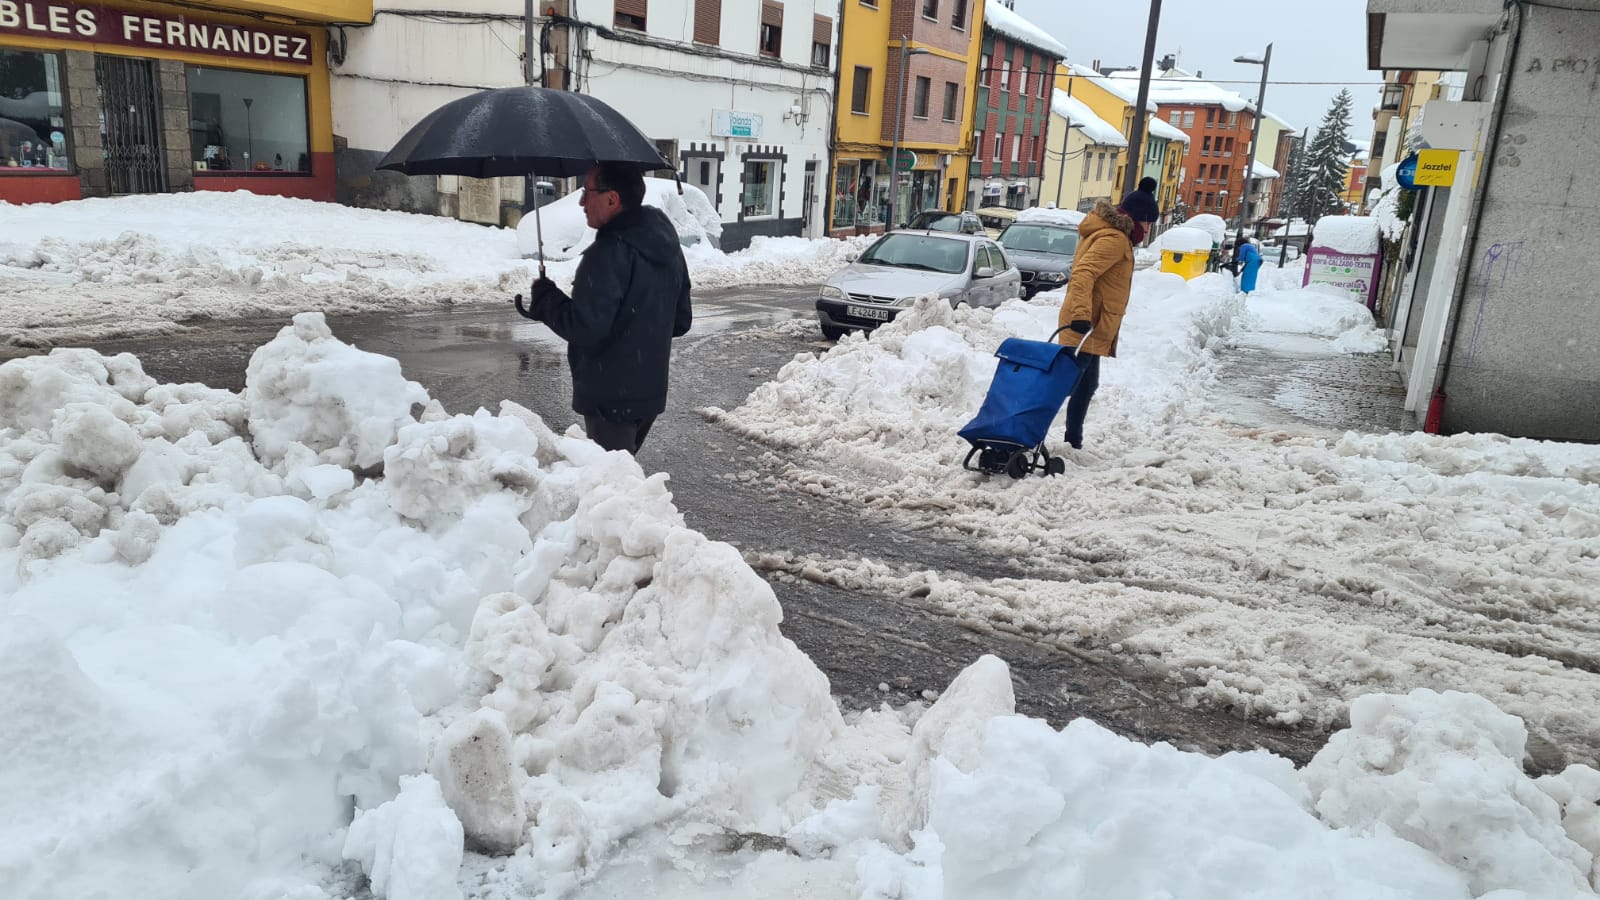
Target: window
1205,146
1100,167
1175,117
771,28
1086,157
860,90
1005,75
958,15
707,22
630,14
930,9
844,194
1022,83
1222,198
1155,153
1044,83
248,121
821,41
1233,120
1227,174
919,97
1188,119
34,133
952,99
1228,150
760,188
1016,146
996,154
977,147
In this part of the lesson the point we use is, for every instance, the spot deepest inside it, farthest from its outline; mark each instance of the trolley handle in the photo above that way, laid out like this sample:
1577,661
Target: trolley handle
1080,341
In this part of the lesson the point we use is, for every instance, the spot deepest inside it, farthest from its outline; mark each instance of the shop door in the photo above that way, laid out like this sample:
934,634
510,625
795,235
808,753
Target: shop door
131,125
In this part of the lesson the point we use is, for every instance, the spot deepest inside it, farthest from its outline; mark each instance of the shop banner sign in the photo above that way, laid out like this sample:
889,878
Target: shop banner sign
734,124
92,23
1354,272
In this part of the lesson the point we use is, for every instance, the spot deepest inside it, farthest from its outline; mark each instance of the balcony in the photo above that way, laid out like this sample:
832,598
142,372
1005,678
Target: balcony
1427,34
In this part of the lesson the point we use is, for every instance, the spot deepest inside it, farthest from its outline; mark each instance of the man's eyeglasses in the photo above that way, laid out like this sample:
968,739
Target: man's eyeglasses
584,193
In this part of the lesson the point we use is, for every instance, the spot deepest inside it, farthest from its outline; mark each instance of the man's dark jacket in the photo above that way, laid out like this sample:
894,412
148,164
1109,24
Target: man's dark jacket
629,300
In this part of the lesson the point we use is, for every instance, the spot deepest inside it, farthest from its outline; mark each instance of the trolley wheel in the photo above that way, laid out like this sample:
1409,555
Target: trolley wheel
1055,465
1017,466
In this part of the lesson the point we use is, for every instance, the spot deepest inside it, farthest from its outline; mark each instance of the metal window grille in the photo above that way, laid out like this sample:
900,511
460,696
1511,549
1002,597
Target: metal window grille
135,155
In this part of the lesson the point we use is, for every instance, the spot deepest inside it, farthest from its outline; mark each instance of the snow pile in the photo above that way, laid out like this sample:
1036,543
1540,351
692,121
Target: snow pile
567,233
506,668
158,264
1210,224
1277,573
1386,209
1005,20
1357,235
1039,215
1184,239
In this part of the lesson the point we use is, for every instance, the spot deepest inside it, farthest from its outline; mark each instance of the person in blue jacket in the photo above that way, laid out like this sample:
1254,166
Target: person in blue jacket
1249,261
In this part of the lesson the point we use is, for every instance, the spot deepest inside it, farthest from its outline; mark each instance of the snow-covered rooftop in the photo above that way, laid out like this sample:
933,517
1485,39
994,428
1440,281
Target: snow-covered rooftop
1258,170
1007,22
1079,116
1117,89
1161,128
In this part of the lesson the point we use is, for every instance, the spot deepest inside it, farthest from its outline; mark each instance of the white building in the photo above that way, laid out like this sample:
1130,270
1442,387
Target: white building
737,94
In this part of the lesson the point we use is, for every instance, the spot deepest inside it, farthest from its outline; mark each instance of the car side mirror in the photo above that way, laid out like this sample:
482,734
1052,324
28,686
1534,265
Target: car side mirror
984,272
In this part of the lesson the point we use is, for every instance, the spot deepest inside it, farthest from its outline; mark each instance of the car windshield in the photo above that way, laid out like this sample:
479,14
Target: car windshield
1040,239
944,223
912,251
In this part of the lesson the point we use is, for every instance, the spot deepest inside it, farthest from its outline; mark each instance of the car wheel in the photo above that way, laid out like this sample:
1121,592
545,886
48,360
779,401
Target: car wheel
833,332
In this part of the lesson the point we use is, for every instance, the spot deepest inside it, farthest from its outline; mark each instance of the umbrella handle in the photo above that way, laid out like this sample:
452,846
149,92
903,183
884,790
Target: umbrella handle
526,313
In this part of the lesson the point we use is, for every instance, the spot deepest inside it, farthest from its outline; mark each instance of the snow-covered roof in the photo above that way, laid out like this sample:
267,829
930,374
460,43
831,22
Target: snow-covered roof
1182,89
1161,128
1007,22
1258,170
1079,116
1121,91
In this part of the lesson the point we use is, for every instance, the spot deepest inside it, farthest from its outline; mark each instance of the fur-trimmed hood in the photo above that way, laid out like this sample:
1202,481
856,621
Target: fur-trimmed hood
1109,216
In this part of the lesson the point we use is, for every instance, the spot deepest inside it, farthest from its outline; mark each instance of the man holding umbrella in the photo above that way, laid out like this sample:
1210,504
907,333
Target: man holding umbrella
629,300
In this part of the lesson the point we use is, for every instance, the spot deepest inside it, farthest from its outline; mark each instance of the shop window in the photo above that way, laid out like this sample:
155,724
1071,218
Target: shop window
760,188
33,130
844,194
248,121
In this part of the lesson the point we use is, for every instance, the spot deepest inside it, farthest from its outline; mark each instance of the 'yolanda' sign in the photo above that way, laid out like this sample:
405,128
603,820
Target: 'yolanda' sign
98,24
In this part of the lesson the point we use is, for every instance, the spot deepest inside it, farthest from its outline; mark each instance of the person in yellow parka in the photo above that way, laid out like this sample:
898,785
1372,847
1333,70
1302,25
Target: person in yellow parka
1097,298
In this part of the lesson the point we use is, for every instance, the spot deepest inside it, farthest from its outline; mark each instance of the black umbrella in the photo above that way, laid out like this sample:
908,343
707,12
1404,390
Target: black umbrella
522,131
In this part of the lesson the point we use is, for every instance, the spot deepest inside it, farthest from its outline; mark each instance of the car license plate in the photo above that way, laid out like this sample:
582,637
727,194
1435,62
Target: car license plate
870,312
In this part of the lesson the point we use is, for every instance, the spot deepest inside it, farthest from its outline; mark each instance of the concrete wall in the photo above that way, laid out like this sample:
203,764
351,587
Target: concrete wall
1526,352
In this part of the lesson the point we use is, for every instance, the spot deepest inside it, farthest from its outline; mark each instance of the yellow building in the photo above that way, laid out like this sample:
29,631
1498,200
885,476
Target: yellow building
1082,159
1114,101
936,128
128,96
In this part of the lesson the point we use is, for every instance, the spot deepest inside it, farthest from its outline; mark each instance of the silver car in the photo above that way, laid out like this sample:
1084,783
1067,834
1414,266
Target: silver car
904,265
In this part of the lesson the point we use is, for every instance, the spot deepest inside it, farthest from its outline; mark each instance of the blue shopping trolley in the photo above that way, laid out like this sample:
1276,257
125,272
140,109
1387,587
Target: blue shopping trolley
1031,381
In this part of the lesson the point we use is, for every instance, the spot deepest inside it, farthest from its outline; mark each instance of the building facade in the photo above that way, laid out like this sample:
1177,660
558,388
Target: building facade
102,99
737,95
1216,157
930,106
1499,268
1083,150
1017,68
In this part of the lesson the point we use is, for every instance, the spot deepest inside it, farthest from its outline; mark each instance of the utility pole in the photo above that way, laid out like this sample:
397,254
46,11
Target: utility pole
1255,134
1136,139
1066,137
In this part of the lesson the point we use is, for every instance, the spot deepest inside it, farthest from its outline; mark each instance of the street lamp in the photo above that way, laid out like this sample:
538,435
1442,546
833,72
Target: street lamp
1265,62
906,50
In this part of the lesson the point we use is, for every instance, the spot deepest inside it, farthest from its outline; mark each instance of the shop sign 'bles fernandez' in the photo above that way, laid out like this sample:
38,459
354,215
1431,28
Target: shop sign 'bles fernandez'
95,23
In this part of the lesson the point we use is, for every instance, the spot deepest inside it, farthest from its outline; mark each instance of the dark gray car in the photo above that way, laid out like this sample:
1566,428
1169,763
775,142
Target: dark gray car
1042,253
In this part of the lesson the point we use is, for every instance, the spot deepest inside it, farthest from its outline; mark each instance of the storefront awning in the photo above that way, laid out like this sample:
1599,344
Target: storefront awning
352,11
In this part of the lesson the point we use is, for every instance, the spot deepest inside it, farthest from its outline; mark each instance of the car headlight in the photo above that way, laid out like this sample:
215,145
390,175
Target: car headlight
829,292
1052,277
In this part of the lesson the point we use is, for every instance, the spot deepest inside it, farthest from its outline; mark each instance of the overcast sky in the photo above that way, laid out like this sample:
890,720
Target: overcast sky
1311,42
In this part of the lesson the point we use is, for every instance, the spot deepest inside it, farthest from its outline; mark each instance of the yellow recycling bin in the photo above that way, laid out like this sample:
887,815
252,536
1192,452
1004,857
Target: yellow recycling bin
1188,263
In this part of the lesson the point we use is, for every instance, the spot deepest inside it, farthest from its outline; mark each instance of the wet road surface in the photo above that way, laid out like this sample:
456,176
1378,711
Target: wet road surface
469,357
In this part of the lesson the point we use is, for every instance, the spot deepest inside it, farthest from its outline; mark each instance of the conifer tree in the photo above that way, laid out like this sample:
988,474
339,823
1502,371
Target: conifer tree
1325,166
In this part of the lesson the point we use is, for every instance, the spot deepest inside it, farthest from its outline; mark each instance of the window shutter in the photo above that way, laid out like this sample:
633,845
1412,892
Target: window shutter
708,21
771,13
822,30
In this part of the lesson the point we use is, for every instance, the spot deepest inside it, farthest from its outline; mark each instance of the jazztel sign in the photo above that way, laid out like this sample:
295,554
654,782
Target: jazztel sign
95,24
